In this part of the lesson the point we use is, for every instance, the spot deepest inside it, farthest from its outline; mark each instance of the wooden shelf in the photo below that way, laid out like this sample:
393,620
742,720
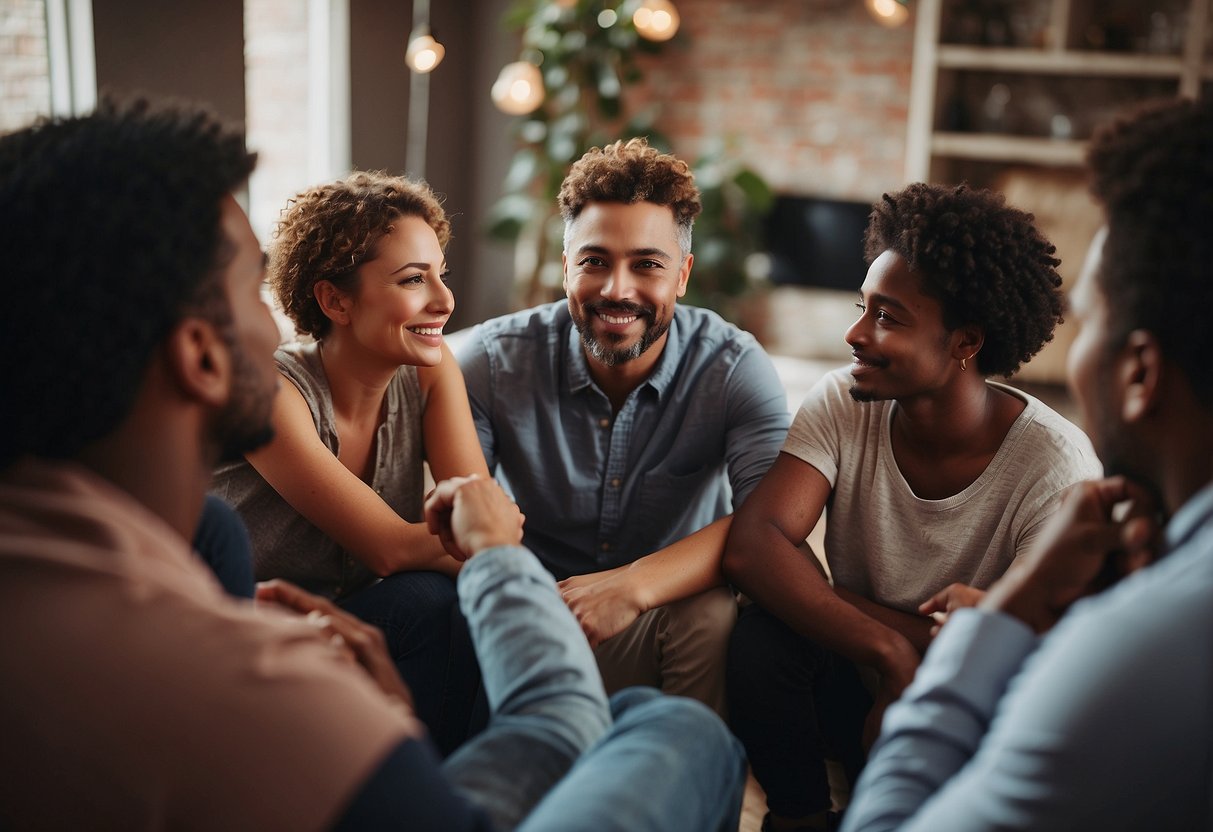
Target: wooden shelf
1005,148
1060,62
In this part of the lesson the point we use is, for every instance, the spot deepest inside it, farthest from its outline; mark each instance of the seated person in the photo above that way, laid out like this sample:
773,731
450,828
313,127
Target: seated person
332,503
654,420
139,695
1029,713
934,477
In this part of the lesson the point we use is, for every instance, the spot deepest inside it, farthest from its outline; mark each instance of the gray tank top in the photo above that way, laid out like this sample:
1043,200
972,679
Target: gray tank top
285,544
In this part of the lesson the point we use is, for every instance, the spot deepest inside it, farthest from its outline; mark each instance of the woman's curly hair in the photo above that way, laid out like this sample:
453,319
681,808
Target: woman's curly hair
630,172
984,261
329,231
1153,172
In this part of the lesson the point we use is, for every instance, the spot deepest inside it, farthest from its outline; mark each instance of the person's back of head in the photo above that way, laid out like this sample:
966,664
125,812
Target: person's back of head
983,260
1153,173
110,227
630,172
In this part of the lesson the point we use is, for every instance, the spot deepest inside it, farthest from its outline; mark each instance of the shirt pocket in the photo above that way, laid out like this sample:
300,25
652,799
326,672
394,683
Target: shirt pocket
667,500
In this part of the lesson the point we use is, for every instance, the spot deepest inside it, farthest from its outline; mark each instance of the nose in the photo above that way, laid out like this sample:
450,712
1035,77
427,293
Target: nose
619,284
857,333
442,299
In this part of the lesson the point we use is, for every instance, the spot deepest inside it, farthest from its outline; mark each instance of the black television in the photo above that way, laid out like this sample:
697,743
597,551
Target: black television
814,241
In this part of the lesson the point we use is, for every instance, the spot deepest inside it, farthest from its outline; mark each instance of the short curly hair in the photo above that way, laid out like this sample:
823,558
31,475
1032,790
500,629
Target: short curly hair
984,261
110,228
630,172
1153,173
329,231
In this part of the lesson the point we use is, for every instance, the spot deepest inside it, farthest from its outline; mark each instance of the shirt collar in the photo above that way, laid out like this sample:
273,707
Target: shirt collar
1191,516
660,379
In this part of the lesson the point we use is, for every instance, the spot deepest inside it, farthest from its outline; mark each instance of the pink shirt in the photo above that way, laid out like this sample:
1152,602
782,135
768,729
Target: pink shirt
134,694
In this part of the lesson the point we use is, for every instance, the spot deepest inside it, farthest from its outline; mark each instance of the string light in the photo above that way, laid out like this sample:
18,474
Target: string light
518,90
888,12
423,53
656,20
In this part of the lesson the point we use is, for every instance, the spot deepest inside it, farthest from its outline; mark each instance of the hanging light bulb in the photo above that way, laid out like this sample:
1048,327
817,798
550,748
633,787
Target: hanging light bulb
656,20
424,53
518,90
888,12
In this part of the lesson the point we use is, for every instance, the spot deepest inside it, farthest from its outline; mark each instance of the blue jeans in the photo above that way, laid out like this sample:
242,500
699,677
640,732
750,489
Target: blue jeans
418,613
557,755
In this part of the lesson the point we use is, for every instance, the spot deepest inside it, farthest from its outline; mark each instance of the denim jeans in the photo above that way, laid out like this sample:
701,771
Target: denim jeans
557,755
793,704
418,613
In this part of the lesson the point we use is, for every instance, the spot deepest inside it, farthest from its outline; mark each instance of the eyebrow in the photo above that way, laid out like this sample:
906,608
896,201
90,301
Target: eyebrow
425,267
885,300
636,252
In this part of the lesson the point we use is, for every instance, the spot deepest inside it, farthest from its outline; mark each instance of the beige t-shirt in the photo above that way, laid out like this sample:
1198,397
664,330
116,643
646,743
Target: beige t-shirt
136,695
885,543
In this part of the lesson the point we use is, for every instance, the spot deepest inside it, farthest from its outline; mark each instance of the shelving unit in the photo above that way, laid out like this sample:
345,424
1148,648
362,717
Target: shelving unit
1014,111
940,66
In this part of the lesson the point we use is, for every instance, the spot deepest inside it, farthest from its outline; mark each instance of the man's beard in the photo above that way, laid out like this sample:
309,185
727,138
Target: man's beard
243,424
609,355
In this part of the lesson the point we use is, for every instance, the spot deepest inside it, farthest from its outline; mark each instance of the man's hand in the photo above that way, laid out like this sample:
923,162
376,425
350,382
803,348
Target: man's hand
360,641
1103,531
949,599
605,603
470,514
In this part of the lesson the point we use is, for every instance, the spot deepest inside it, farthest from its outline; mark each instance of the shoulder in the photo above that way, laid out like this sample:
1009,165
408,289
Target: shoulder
535,324
703,331
300,362
1052,442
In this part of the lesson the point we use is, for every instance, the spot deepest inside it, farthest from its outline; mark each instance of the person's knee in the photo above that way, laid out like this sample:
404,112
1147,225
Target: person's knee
707,618
629,698
685,722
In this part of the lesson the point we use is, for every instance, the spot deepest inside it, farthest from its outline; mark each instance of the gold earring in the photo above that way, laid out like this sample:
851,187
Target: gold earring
964,363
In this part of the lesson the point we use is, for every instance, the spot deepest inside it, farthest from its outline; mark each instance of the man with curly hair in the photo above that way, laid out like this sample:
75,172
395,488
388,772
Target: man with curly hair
137,694
1107,723
936,479
629,426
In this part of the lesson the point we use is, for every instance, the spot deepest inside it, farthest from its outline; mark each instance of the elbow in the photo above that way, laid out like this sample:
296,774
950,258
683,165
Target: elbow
735,565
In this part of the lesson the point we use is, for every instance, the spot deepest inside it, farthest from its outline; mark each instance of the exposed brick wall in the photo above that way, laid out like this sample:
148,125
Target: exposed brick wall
813,94
25,88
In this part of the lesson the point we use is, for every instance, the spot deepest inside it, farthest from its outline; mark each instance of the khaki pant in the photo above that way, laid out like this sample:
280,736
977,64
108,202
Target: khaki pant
679,648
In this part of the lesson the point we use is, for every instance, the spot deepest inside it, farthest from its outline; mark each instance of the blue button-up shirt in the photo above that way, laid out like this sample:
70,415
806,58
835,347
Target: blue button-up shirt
601,489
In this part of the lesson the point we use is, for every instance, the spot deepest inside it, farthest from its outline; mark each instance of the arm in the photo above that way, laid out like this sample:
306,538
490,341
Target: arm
299,466
473,360
606,603
452,446
1051,759
762,559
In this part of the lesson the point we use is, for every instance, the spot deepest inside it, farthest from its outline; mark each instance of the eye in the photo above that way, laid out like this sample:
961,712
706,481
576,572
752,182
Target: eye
592,262
861,306
650,265
412,280
445,276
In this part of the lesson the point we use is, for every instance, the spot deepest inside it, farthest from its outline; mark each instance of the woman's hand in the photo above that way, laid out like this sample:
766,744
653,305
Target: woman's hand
949,599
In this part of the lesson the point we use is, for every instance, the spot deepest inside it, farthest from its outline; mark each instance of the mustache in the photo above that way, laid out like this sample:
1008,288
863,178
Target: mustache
621,308
868,359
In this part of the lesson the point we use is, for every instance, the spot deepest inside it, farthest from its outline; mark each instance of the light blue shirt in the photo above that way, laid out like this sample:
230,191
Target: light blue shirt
601,489
1104,723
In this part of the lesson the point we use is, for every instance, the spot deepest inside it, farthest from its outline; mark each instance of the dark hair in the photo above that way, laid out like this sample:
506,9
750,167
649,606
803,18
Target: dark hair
984,261
328,231
110,228
1153,172
630,172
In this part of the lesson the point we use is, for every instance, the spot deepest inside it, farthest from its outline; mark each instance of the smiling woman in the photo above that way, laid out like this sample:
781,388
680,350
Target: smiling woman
333,503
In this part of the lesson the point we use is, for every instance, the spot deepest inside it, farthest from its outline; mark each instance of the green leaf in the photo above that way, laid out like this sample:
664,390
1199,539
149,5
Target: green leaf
523,169
758,193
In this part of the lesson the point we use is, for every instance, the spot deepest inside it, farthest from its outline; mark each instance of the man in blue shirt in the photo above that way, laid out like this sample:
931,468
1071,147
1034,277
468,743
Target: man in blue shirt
628,427
1030,713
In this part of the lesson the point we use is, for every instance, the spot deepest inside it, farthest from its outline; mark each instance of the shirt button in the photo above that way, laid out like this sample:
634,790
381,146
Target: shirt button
606,547
604,423
615,482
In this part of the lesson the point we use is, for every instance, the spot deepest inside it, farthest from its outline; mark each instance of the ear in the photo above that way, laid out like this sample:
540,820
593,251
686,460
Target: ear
1139,375
967,341
564,270
199,361
333,302
684,274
